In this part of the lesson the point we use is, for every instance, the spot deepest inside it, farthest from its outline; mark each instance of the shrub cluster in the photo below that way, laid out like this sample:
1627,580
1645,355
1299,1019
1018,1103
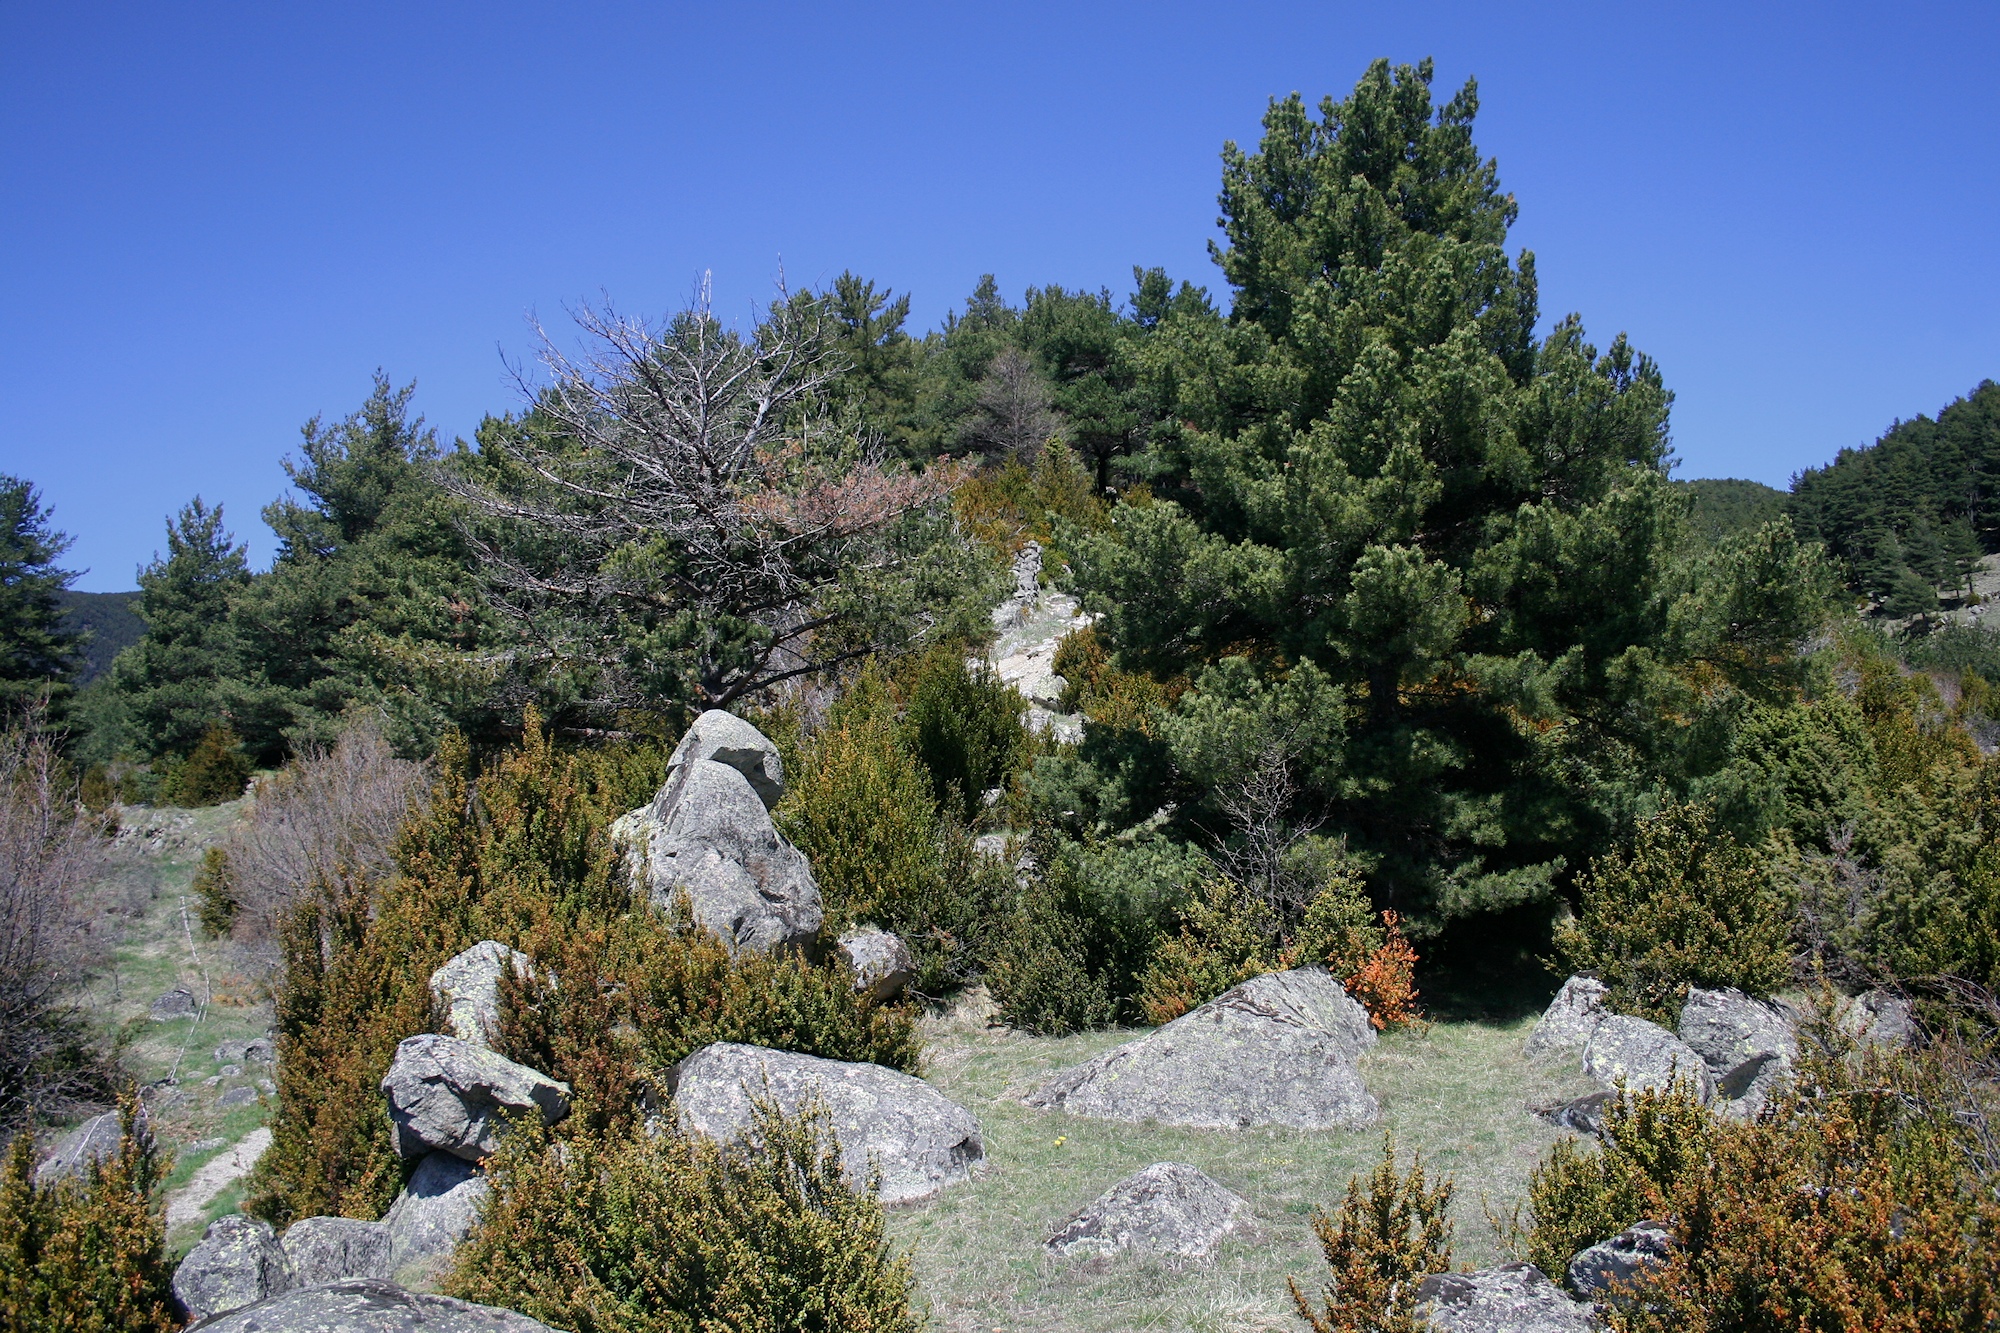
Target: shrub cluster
1381,1244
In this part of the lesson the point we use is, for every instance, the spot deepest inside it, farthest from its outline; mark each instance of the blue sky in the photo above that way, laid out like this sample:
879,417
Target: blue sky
217,221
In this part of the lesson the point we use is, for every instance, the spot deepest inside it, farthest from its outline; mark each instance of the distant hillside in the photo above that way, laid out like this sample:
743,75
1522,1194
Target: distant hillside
112,624
1725,505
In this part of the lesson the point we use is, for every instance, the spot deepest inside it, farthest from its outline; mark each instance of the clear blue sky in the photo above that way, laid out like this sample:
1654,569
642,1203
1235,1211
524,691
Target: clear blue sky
216,221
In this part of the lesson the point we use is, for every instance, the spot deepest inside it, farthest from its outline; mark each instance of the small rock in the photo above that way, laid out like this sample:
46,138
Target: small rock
207,1145
237,1263
1513,1298
1169,1208
1726,1028
267,1087
1644,1055
229,1071
260,1052
467,988
174,1004
1620,1261
435,1211
1065,728
450,1095
328,1249
212,1081
229,1051
1878,1018
1583,1115
991,844
881,961
95,1140
1566,1025
237,1097
369,1305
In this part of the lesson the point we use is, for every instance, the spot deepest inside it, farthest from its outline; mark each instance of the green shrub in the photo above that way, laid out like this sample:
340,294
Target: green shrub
87,1255
214,771
667,1231
1224,940
1380,1246
1684,905
216,889
964,726
1048,974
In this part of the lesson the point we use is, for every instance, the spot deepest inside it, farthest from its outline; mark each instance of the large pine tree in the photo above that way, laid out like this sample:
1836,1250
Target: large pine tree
38,653
179,679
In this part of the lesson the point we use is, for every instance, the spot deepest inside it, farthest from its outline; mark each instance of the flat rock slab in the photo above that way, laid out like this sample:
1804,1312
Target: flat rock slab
1513,1298
920,1140
214,1176
1279,1049
363,1305
1567,1024
449,1095
1170,1208
1644,1055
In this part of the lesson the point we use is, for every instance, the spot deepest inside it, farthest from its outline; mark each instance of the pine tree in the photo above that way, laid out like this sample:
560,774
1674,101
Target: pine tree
38,653
179,679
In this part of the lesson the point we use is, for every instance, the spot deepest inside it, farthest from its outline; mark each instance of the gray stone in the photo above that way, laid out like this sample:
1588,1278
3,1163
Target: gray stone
1581,1115
238,1262
230,1071
1746,1089
1571,1017
1879,1018
708,836
435,1211
179,1003
260,1052
92,1141
1726,1028
467,988
453,1096
1169,1208
327,1249
1513,1298
1644,1055
1598,1271
237,1097
920,1140
368,1305
725,738
1279,1049
881,961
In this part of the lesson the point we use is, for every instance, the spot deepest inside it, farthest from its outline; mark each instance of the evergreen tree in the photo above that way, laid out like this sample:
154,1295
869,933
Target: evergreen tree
881,380
177,681
38,653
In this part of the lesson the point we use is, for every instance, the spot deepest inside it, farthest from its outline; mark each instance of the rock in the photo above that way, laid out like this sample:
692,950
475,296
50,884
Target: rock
1513,1298
1645,1055
467,988
1065,727
1623,1259
1726,1028
368,1305
92,1141
449,1095
1169,1208
214,1176
1878,1018
708,835
237,1097
260,1052
435,1211
725,738
1045,690
1277,1050
229,1071
328,1249
881,961
1571,1017
238,1262
1583,1115
1746,1088
921,1141
179,1003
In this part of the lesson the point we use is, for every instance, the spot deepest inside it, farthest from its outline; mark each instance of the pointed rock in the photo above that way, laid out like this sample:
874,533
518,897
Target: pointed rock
1169,1208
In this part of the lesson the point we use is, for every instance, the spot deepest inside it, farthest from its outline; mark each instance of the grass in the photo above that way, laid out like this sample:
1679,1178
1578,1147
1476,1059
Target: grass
1456,1092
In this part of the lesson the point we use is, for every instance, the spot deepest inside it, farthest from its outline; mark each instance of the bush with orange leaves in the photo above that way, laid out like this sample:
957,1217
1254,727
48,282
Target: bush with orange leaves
1385,983
1380,1245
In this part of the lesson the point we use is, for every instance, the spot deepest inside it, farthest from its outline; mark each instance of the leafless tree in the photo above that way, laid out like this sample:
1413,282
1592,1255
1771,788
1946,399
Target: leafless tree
682,515
1014,416
1262,856
51,853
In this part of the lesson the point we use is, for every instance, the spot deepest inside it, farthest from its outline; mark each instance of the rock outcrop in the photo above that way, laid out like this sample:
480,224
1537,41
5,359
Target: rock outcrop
1643,1055
1169,1209
920,1140
1513,1298
449,1095
1599,1271
237,1263
467,988
1567,1024
92,1141
435,1211
1279,1049
362,1305
329,1249
708,835
881,961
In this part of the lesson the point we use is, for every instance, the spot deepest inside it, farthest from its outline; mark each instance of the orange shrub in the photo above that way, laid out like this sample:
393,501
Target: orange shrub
1385,983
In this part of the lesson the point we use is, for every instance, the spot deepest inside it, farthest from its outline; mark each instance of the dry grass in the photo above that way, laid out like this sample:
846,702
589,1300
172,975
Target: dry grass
1457,1093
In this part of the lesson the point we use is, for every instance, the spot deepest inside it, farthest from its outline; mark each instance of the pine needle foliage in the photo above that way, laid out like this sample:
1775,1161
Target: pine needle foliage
1385,1239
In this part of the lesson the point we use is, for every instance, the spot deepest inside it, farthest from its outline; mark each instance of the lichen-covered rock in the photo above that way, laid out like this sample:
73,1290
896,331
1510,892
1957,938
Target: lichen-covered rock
1279,1049
1726,1028
1598,1271
881,961
92,1141
467,988
725,738
450,1095
435,1211
920,1140
1571,1017
365,1305
1169,1209
1644,1055
328,1249
1513,1298
238,1262
1878,1018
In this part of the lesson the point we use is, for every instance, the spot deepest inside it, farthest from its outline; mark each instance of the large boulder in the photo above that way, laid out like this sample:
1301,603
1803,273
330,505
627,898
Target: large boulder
1600,1271
467,988
918,1138
725,738
95,1140
1279,1049
708,836
238,1262
1566,1025
365,1305
435,1211
328,1249
1726,1028
1169,1208
881,961
1513,1298
450,1095
1643,1055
